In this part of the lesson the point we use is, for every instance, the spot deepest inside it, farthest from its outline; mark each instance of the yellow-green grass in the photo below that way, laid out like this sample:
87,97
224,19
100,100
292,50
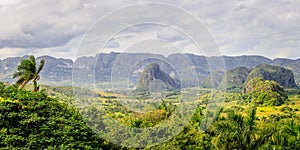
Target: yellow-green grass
109,94
294,103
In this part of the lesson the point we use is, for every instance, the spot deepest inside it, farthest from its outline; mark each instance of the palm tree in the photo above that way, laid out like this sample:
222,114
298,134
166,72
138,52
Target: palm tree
239,132
28,71
288,136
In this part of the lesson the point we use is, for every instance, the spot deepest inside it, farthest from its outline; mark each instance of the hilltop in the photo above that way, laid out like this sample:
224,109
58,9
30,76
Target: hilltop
259,91
152,73
58,71
236,78
284,77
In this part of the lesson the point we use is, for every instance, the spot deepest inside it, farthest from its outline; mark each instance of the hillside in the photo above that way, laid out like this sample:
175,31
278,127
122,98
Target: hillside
152,73
58,71
213,80
33,120
236,78
284,77
266,92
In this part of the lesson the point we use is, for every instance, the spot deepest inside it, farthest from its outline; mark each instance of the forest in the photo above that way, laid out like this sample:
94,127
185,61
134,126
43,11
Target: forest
260,115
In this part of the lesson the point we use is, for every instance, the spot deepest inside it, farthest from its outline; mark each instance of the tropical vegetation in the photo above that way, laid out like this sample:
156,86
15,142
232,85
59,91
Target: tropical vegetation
262,116
28,71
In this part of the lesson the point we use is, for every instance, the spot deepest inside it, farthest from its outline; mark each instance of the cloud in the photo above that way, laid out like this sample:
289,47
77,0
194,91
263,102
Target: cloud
171,35
112,44
13,52
43,24
54,27
279,46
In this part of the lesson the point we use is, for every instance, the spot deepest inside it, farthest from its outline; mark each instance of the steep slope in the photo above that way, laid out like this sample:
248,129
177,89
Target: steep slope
153,72
58,71
278,74
235,78
266,92
213,80
32,120
295,67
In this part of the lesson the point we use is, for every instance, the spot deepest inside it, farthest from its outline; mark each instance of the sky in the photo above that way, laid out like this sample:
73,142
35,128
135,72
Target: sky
72,28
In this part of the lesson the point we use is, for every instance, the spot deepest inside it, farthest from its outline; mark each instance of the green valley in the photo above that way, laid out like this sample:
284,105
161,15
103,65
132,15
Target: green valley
259,114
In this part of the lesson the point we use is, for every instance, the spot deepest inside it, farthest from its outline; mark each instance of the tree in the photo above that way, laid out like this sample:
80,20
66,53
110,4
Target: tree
288,135
32,120
239,132
27,71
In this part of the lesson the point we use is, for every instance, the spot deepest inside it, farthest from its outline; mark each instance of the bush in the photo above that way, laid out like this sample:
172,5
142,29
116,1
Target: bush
286,109
32,120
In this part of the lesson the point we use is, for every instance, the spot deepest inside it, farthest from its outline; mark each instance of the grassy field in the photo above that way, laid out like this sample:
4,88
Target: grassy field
263,111
110,99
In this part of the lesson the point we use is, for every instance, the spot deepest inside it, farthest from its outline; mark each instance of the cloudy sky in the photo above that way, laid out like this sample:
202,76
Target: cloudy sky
69,28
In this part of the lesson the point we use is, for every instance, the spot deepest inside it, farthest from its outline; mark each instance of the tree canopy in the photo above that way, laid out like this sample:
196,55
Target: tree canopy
27,70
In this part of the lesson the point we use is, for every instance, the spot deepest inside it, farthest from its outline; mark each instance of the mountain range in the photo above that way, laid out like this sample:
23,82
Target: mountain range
189,68
238,77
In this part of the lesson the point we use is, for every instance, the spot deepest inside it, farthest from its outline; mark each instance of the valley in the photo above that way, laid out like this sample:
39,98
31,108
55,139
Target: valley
154,108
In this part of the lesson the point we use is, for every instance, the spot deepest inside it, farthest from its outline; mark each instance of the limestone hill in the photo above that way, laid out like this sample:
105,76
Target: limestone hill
152,73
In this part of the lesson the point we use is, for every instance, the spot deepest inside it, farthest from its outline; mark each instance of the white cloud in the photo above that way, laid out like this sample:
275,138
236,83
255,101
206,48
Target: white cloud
54,27
170,34
112,44
13,52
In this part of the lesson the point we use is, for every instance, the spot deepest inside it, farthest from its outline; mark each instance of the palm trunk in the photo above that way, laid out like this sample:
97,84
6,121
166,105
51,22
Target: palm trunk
36,87
23,84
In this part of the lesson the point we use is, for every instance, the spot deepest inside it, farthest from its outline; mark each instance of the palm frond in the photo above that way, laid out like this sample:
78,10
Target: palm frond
42,63
23,74
20,81
32,59
27,70
27,65
17,74
252,116
263,139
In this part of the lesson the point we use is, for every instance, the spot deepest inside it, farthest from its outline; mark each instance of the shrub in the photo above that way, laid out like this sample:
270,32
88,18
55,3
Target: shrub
286,109
32,120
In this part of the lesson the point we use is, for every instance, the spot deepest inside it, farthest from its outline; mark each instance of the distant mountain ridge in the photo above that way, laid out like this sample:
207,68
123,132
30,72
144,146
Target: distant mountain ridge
59,70
238,77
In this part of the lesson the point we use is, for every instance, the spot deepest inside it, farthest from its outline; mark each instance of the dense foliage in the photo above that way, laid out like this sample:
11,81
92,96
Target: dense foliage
259,91
31,120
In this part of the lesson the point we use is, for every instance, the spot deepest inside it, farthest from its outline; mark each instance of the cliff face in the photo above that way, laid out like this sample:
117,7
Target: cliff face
284,77
153,72
236,78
